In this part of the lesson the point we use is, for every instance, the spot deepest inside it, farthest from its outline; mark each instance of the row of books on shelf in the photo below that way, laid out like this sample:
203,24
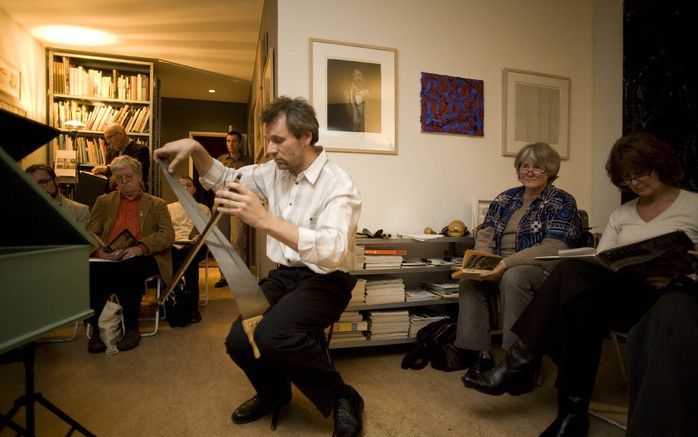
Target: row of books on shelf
388,289
381,325
83,149
76,80
96,118
375,259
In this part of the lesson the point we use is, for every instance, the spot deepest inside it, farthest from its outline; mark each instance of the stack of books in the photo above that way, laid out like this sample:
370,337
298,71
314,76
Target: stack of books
422,319
351,326
414,262
383,258
419,295
358,293
385,290
358,257
447,289
385,325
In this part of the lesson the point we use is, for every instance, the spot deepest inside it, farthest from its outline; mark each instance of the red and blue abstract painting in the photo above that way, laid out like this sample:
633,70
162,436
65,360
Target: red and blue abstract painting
452,105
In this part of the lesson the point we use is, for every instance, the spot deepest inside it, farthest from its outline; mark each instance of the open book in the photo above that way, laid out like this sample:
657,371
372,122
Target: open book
476,262
665,255
122,240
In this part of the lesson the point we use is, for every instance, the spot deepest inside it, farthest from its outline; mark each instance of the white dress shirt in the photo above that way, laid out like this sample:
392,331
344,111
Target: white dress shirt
181,222
323,201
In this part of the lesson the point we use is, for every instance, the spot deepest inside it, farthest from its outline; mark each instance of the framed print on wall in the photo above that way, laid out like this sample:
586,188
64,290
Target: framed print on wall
352,88
9,79
536,107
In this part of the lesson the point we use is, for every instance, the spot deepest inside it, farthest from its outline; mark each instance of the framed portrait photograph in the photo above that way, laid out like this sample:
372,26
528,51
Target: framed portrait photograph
536,107
352,88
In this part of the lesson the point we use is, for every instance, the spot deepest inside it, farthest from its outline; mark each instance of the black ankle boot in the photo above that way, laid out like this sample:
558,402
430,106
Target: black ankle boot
481,364
515,375
572,419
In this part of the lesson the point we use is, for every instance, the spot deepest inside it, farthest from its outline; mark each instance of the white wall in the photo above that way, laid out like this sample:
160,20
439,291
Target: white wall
20,49
435,178
607,120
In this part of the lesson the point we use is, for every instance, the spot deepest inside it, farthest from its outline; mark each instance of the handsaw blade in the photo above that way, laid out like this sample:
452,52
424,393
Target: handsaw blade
246,292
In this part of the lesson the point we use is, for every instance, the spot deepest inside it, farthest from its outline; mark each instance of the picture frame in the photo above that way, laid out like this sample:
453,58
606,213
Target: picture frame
479,212
10,80
353,91
536,107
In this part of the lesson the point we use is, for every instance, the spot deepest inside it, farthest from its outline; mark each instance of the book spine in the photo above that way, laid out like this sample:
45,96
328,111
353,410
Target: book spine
385,252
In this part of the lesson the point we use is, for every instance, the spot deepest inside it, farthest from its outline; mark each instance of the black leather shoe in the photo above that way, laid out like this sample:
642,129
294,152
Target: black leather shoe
482,364
252,409
255,408
348,415
96,345
572,418
129,341
221,283
569,425
515,375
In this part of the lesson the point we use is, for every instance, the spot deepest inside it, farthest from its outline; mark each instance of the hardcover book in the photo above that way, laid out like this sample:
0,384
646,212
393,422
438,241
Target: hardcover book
663,255
476,262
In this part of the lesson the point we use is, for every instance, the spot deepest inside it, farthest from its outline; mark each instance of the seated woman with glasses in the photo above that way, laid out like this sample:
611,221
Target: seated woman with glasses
534,219
580,301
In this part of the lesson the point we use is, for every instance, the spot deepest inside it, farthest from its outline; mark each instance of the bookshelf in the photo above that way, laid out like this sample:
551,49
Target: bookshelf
412,277
96,90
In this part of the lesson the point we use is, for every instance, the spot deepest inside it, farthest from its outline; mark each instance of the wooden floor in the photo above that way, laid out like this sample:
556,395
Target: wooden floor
181,383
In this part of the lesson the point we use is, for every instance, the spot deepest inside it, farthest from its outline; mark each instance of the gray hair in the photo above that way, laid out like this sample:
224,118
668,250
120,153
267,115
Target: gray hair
543,156
125,161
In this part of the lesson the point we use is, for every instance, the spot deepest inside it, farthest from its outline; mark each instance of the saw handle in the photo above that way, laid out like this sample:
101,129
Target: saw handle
249,325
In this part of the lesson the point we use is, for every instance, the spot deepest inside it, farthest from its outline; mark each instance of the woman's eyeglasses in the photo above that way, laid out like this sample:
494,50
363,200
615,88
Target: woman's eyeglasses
637,178
535,171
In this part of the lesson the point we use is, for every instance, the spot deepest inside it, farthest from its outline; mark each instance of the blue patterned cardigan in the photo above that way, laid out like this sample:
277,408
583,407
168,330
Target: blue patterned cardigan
552,214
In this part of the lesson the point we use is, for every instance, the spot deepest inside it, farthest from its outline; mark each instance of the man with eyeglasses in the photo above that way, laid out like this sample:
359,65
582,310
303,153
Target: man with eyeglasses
118,144
46,177
148,220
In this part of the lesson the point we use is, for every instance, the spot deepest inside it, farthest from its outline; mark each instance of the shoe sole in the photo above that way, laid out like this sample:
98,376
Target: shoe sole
249,420
514,391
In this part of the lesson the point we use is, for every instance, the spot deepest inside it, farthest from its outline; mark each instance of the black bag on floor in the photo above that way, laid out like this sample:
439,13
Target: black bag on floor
178,307
435,345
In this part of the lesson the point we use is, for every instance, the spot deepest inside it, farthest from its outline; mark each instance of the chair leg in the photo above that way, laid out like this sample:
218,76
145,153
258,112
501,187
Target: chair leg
158,313
614,338
71,337
597,410
203,302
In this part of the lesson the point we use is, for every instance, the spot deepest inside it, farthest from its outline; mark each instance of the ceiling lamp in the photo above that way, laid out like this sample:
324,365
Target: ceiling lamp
73,35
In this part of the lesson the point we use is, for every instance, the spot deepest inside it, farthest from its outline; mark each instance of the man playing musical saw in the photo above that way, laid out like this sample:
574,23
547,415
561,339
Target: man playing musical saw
313,210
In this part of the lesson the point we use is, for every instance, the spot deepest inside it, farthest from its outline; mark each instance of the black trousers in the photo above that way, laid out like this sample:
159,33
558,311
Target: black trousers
662,352
571,315
290,339
123,278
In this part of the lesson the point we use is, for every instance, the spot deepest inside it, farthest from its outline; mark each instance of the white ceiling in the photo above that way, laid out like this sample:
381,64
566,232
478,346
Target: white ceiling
205,43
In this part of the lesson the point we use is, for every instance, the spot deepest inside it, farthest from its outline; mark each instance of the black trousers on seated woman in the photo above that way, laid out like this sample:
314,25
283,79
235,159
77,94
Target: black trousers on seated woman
289,338
571,315
123,278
